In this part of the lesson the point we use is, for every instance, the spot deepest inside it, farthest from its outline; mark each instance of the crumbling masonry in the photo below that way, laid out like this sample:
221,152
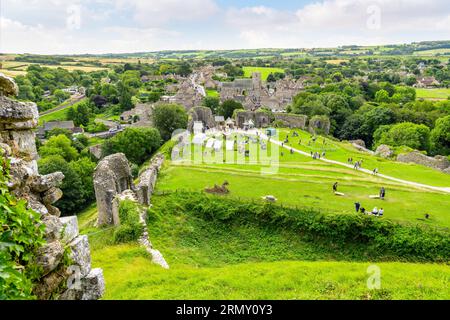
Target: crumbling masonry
17,142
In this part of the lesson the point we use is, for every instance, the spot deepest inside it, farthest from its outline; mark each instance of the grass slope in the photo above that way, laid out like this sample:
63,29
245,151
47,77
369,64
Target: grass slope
211,260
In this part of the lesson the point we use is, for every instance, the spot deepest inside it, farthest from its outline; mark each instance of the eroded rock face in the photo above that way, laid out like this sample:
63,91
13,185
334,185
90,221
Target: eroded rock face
438,162
112,176
384,151
8,86
50,256
17,143
91,287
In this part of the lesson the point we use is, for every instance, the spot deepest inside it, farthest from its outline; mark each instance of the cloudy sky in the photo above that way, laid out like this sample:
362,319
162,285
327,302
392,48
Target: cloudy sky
106,26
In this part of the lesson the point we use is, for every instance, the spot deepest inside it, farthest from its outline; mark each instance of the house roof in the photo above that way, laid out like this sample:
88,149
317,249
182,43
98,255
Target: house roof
59,124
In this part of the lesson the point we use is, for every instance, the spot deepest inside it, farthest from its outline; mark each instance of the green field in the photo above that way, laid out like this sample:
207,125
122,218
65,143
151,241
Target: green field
59,115
212,93
433,94
248,71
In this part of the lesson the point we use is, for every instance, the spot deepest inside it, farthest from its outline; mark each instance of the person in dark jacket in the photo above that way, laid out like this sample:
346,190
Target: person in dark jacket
357,206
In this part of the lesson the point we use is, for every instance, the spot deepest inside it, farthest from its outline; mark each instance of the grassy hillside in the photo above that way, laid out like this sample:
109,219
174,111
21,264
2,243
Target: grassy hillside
211,259
303,182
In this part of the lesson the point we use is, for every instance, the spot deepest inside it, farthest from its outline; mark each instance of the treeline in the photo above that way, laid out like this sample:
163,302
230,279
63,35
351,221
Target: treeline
378,113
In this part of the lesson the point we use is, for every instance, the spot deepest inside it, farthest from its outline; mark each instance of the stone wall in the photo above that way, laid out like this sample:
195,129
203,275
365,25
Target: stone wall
17,142
292,120
438,162
203,114
147,180
112,176
261,119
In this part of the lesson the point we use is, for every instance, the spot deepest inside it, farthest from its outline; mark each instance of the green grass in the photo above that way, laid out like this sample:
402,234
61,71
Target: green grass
60,115
263,70
301,181
129,274
214,260
435,94
212,93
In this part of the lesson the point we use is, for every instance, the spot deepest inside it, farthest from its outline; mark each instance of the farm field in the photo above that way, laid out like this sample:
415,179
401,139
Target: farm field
58,115
433,94
263,70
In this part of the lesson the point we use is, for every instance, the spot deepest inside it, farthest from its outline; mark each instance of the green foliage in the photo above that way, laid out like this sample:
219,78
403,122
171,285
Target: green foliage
21,235
404,134
168,118
72,185
212,103
80,114
138,144
382,236
228,107
440,136
130,228
59,145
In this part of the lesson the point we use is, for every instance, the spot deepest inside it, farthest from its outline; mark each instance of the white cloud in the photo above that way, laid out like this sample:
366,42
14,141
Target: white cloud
160,12
341,22
41,26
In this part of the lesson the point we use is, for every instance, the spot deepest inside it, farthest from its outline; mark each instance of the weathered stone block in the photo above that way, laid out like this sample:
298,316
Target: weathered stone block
69,228
52,195
44,183
8,86
81,254
92,287
49,256
53,227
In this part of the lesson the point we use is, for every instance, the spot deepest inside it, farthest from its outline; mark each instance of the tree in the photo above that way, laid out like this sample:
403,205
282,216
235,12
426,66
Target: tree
212,103
271,78
80,114
138,144
228,106
169,117
72,186
59,145
125,96
382,96
60,95
416,136
84,168
440,136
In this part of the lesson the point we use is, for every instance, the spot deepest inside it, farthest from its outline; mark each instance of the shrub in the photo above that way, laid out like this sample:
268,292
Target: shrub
21,234
130,228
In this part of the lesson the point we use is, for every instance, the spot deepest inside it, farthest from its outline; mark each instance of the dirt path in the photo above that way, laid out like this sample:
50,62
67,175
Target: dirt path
404,182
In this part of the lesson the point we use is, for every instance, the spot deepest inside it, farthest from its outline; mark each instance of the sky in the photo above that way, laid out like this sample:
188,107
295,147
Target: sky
126,26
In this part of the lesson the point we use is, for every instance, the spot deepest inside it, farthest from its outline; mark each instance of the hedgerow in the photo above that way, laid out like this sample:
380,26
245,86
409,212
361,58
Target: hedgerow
405,241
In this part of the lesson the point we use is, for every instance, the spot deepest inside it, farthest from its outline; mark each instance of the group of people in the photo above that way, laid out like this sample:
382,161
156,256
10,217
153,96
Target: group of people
317,155
375,211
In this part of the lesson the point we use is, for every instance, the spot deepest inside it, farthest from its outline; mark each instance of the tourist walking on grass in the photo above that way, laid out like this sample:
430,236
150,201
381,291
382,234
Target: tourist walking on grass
357,206
382,193
335,185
